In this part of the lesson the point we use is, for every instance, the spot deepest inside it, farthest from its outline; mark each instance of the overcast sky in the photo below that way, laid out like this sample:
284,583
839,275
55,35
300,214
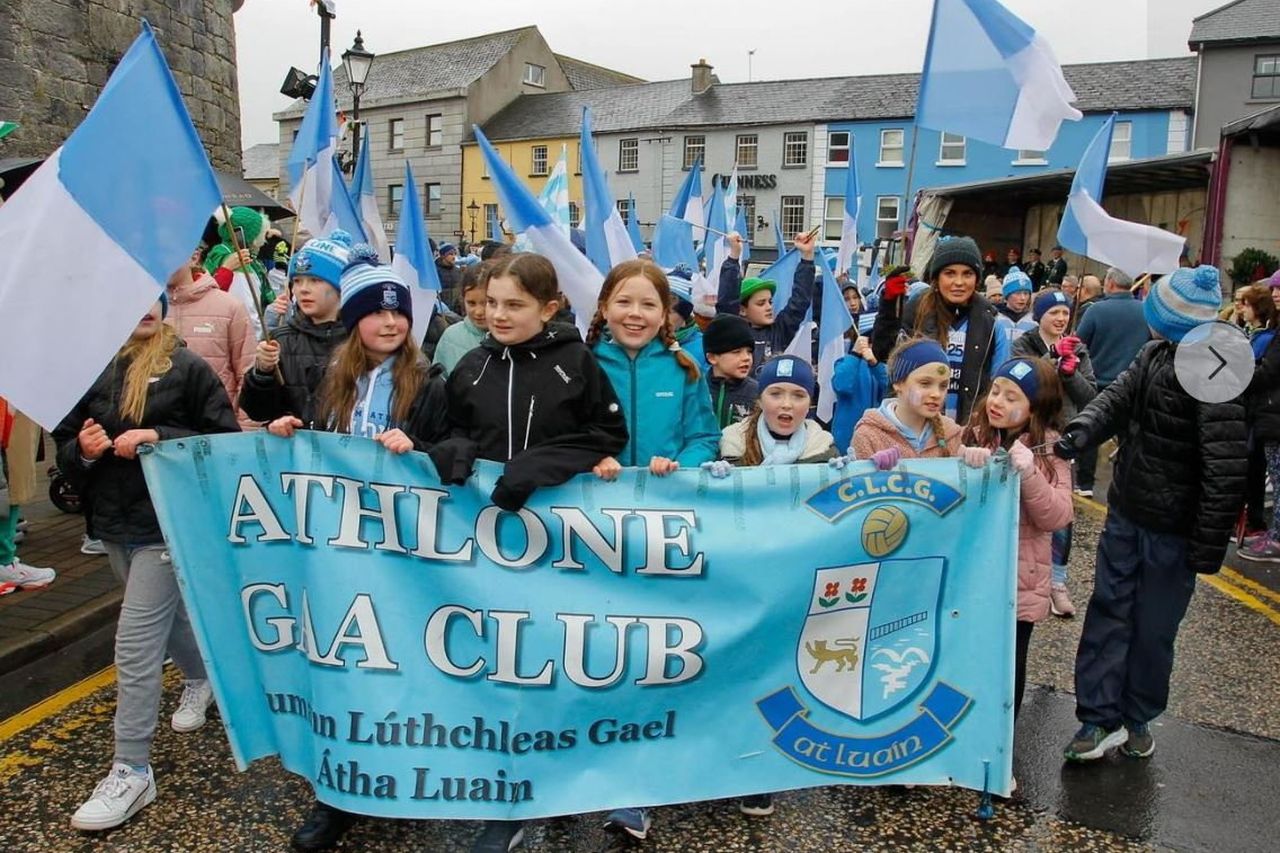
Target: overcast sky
840,38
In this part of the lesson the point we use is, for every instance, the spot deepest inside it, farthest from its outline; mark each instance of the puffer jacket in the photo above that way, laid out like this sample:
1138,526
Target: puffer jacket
1182,464
305,352
818,445
187,400
876,432
1081,386
216,327
667,415
1264,395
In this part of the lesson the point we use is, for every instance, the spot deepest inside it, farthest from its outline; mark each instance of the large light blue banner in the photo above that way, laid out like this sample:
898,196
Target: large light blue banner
414,651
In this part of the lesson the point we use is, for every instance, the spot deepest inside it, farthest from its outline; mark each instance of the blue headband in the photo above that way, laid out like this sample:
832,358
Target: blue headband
1021,372
914,356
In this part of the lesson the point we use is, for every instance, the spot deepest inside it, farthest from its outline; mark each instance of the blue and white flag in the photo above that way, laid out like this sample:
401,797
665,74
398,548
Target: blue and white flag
731,195
836,320
1087,229
413,259
779,240
989,76
673,243
847,255
687,204
740,225
555,195
311,185
608,243
782,273
579,279
715,247
136,210
343,212
633,224
365,202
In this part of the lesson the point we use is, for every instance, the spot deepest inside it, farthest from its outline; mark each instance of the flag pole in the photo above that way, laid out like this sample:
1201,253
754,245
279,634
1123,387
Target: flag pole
235,244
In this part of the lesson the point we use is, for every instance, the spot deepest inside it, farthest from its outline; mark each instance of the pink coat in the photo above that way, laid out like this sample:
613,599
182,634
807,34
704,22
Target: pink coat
215,326
1045,507
876,432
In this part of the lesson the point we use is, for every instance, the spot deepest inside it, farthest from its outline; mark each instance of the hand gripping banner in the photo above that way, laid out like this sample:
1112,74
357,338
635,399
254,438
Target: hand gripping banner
414,651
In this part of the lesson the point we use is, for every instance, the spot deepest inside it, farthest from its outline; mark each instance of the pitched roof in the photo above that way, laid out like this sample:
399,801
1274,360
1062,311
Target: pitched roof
1101,86
261,162
423,70
584,75
1238,21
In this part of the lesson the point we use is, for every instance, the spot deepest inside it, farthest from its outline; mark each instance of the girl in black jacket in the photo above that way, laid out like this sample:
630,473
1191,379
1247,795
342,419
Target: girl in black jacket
153,390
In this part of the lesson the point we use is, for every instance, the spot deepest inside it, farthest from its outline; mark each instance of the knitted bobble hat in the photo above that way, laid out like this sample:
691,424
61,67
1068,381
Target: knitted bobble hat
324,258
1183,300
954,250
368,287
1015,281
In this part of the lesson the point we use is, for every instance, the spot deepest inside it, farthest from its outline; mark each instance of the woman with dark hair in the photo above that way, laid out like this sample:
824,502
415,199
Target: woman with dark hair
1258,313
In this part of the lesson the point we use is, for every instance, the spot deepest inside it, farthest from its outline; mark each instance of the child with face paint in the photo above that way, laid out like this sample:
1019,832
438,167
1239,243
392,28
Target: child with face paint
777,432
911,423
1023,410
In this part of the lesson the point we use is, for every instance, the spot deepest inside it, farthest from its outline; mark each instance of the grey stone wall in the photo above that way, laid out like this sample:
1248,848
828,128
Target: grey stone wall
56,55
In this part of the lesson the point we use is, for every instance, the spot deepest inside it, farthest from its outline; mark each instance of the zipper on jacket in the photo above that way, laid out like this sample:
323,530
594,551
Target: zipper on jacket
511,384
720,408
632,425
528,424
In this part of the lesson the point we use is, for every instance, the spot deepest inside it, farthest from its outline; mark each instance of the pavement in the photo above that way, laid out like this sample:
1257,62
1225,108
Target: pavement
1209,787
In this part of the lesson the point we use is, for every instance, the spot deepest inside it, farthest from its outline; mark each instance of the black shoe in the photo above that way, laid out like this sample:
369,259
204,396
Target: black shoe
322,829
499,836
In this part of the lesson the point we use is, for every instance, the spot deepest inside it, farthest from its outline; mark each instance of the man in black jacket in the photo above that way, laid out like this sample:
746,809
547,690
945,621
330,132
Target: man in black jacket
1178,486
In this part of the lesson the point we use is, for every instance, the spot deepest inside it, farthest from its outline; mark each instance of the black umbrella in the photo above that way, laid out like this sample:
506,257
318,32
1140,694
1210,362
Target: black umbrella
15,170
237,192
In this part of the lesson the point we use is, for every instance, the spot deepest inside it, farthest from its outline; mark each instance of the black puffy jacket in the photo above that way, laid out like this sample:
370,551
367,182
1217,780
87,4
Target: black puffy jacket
1182,463
544,407
305,351
1264,395
187,400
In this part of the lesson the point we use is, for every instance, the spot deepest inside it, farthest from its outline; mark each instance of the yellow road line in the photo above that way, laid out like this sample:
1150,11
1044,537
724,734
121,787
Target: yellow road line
1227,588
1248,583
59,701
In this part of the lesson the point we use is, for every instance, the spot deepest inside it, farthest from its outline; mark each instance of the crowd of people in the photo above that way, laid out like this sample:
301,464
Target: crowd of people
1035,366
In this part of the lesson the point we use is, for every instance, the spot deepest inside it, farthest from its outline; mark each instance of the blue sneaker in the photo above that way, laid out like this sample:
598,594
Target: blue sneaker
1140,744
634,822
1092,742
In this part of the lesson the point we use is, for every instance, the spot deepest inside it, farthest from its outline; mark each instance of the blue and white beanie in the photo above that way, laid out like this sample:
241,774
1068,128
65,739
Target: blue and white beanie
323,257
368,286
1047,301
1016,281
680,280
1183,300
786,368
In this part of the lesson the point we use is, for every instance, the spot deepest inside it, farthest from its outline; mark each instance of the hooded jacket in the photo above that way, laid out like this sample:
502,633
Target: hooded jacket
544,407
731,399
215,327
305,352
773,339
1081,386
456,341
186,400
818,446
876,431
667,415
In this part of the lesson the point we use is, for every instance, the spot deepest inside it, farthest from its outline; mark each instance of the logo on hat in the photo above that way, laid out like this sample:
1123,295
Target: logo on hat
1020,370
785,367
302,263
390,300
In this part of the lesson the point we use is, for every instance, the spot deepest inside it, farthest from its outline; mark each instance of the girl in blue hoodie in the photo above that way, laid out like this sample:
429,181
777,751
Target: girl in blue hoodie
632,339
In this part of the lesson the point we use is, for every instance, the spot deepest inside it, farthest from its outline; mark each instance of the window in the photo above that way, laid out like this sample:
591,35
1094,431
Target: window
838,142
1266,76
295,136
887,212
539,166
629,155
431,199
892,143
535,75
793,221
575,215
951,150
1027,157
748,150
435,131
694,146
833,219
395,197
1121,141
396,126
490,214
624,209
747,204
795,149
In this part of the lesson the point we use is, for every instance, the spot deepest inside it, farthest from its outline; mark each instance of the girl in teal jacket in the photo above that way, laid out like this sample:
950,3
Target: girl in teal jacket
663,395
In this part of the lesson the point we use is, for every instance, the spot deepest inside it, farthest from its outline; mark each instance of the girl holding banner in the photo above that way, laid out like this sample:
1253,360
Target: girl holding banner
910,424
153,390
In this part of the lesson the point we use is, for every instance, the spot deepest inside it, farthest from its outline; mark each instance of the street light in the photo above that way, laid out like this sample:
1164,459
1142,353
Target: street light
357,61
473,209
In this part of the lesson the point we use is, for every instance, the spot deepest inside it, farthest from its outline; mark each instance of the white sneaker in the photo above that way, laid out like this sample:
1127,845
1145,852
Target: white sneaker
197,696
27,577
91,546
120,796
23,525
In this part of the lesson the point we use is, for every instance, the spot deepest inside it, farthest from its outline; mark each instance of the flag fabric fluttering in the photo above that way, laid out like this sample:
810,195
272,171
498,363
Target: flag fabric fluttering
715,247
311,186
578,277
1024,96
136,210
413,260
782,273
835,321
555,195
7,127
1087,229
365,202
687,204
673,243
846,255
343,212
779,240
608,243
731,195
633,224
740,225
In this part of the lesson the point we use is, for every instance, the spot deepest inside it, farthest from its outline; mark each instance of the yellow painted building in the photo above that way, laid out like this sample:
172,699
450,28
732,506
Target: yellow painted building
531,159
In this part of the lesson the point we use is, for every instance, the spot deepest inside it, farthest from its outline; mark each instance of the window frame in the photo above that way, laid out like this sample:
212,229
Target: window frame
395,126
748,203
881,221
534,171
1274,77
623,206
529,76
434,125
429,210
788,143
1040,158
575,214
629,145
785,205
1127,141
394,204
901,148
946,140
828,219
847,147
739,143
701,146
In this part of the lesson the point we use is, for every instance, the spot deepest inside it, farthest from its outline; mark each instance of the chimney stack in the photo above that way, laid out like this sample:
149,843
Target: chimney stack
701,76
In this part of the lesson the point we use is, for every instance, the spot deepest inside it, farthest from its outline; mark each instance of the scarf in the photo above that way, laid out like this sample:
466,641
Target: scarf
889,408
372,412
780,452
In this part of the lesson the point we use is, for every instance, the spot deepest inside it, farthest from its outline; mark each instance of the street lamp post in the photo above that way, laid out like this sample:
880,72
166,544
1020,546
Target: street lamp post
473,209
357,61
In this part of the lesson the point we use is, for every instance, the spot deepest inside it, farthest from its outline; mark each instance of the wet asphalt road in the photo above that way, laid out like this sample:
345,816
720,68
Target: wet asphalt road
1211,785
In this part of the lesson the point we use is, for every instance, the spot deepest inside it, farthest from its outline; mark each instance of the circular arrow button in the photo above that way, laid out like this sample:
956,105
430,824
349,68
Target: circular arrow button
1214,362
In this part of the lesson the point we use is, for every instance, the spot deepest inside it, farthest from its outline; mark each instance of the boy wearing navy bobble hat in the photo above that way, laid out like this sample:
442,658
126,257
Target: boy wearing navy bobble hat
1178,486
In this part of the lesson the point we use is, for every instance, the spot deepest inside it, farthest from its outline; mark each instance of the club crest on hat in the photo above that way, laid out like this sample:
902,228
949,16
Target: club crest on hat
785,367
390,299
302,263
1020,370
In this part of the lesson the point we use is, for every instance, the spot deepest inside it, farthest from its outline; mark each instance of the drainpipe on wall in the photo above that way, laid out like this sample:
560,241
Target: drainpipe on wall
1211,248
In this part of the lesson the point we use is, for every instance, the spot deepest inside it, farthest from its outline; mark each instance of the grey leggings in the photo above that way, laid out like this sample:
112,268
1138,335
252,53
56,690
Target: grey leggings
152,623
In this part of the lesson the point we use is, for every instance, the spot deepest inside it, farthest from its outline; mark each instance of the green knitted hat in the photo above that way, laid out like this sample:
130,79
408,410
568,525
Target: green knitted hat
253,223
752,286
